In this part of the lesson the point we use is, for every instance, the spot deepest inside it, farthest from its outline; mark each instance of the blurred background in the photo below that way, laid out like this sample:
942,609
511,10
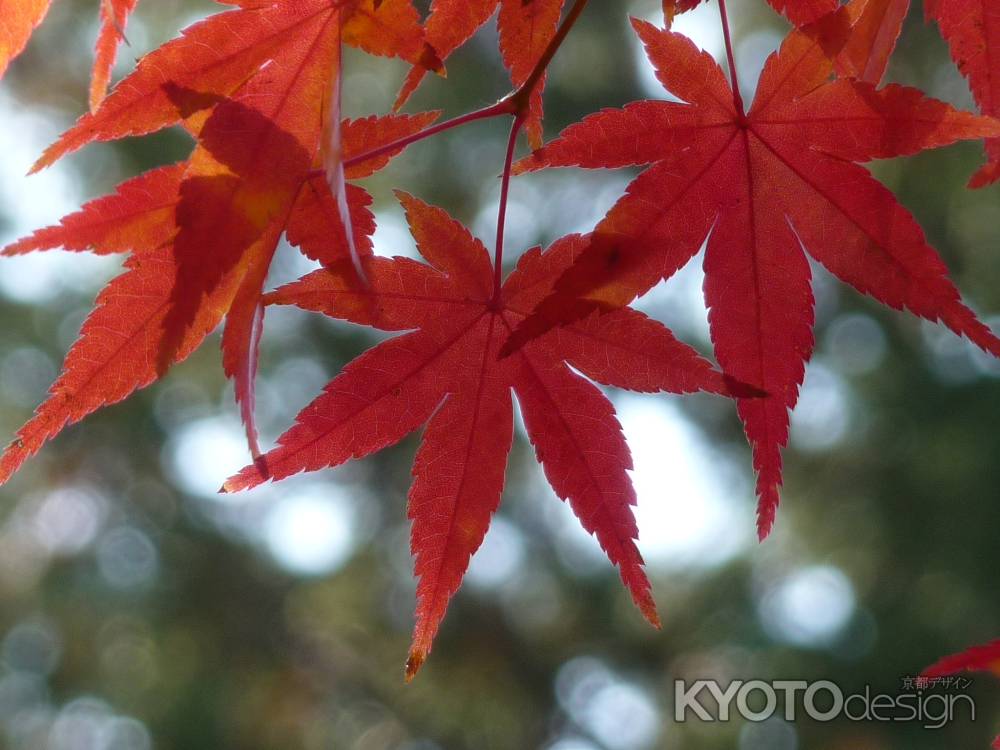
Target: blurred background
139,609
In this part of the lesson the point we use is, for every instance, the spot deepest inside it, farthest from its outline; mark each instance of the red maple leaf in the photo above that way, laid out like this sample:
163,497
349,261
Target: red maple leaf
762,186
446,374
984,658
129,341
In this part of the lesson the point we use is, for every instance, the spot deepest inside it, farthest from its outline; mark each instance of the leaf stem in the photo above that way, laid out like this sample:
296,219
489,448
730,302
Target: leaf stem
508,165
520,102
503,107
731,58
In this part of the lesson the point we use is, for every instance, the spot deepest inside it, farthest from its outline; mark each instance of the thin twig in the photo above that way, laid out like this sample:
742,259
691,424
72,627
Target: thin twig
502,211
733,75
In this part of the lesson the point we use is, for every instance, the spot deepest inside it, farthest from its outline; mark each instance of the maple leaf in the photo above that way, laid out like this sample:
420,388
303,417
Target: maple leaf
130,340
985,658
972,30
762,187
251,85
446,374
525,27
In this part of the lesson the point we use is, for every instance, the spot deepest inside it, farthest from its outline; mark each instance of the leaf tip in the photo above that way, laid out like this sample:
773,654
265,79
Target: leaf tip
233,484
403,197
765,518
530,163
651,615
41,163
414,662
986,176
11,460
640,24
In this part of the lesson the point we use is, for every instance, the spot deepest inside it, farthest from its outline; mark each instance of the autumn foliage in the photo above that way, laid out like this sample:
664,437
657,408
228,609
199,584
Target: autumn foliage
765,184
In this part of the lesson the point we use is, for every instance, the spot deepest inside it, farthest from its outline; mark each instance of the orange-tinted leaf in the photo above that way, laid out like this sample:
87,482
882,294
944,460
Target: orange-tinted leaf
119,350
139,215
18,19
248,83
972,30
446,374
255,152
219,198
761,187
215,57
